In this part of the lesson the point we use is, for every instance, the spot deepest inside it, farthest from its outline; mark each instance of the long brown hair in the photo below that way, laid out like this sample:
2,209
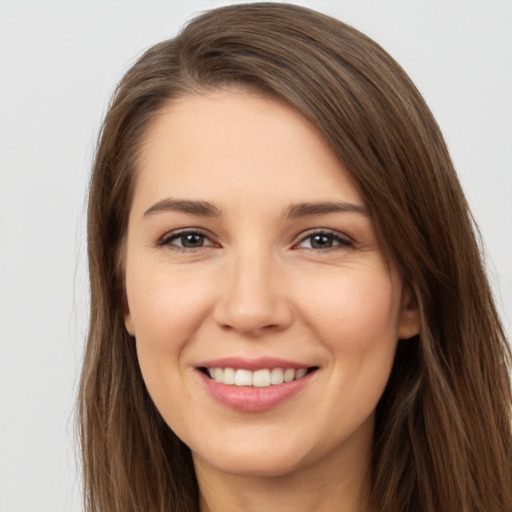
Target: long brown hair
443,438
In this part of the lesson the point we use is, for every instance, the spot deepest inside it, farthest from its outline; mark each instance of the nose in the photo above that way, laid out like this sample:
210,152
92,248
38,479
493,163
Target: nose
252,298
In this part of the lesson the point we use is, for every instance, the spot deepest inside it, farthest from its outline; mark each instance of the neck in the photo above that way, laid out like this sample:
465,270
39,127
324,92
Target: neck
318,487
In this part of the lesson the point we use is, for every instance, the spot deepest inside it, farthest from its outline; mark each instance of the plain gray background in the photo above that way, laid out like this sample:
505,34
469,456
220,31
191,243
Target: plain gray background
59,63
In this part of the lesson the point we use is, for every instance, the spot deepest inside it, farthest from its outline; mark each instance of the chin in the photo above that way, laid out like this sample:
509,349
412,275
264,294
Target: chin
253,463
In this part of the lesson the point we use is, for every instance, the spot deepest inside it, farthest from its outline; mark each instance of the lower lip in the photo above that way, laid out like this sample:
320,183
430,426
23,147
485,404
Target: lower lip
254,399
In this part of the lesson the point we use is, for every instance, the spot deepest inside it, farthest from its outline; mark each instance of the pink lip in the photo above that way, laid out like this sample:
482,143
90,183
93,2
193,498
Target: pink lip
249,398
252,364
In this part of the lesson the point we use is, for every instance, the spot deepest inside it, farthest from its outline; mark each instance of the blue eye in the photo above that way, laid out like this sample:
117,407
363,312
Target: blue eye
324,240
186,240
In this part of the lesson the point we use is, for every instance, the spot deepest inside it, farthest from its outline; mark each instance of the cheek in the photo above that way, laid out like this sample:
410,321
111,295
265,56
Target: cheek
367,346
167,309
166,306
356,320
354,311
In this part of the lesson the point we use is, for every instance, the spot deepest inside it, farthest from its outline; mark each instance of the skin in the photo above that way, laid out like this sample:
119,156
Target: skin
253,285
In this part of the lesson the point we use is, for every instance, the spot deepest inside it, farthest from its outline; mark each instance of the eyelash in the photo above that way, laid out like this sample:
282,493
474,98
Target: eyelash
342,241
339,241
166,240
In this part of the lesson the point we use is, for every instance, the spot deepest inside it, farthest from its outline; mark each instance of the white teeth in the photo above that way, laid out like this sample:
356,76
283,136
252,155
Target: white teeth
229,376
219,374
242,378
260,378
289,374
300,373
276,376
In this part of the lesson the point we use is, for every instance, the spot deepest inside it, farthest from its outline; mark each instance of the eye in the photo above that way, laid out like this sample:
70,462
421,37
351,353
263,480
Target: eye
323,240
185,240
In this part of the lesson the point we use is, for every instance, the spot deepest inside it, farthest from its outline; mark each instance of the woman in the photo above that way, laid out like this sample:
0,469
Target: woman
289,308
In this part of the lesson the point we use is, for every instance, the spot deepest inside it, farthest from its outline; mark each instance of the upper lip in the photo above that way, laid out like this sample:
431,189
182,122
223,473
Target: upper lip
253,364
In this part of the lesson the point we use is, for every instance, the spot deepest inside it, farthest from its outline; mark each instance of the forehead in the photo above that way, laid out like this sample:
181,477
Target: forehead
231,143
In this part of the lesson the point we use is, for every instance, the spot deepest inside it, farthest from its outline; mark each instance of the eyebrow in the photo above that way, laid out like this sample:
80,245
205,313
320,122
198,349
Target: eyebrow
206,209
311,209
202,208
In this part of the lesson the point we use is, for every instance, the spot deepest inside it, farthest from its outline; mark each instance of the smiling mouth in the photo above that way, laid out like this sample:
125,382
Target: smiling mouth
263,378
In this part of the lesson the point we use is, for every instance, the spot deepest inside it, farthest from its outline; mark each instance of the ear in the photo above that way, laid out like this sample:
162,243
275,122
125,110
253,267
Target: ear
128,322
410,318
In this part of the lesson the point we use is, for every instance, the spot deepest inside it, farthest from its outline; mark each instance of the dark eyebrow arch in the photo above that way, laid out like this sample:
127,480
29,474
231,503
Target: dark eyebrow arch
202,208
310,209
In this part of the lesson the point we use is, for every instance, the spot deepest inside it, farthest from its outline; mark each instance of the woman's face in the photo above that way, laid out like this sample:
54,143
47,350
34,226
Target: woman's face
250,257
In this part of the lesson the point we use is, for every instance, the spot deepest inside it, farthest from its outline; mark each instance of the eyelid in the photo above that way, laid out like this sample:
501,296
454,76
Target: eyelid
170,236
344,240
